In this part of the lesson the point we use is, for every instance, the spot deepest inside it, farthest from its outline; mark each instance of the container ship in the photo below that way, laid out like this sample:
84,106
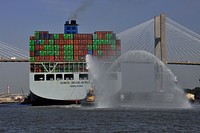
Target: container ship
58,73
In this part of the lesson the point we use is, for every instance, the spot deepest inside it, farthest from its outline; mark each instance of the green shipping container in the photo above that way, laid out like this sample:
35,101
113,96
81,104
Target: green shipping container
41,41
42,53
32,59
94,42
36,35
113,47
71,52
70,47
108,36
68,36
56,47
51,42
32,48
106,41
51,53
94,36
65,47
89,47
95,47
45,53
100,52
51,47
46,47
113,42
31,42
68,58
56,53
56,36
68,52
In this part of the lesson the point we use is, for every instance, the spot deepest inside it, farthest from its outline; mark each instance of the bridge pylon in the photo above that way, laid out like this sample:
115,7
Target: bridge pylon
159,49
160,37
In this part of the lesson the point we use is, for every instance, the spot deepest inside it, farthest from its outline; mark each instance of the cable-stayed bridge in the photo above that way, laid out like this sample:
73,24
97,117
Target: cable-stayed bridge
9,53
182,45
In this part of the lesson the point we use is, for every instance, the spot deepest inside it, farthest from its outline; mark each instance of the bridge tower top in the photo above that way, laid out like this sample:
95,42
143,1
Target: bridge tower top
160,37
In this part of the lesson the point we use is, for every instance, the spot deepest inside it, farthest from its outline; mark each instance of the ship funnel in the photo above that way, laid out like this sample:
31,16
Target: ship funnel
71,28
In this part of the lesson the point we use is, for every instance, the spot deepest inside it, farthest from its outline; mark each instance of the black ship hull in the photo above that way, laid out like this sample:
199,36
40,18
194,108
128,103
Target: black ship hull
40,101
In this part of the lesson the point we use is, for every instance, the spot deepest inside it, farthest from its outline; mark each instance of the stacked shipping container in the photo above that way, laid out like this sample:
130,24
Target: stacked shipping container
69,50
45,47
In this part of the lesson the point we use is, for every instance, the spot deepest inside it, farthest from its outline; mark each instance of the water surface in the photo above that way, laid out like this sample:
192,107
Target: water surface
19,118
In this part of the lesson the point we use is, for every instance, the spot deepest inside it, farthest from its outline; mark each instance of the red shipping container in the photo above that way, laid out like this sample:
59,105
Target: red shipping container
61,47
61,36
31,53
61,56
118,47
32,38
43,32
69,41
41,58
51,58
85,52
46,41
56,58
42,47
103,32
37,58
76,58
76,52
89,42
80,52
37,47
104,52
95,53
76,47
118,42
81,58
56,42
62,42
65,42
75,42
61,52
99,47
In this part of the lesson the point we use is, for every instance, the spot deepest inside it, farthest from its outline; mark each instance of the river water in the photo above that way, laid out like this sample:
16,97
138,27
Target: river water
17,118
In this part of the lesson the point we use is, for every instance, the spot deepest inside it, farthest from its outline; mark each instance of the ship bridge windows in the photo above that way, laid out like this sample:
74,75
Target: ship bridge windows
39,77
83,76
59,76
69,76
50,77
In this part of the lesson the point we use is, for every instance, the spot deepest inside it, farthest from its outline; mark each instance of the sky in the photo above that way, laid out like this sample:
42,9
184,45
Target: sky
20,18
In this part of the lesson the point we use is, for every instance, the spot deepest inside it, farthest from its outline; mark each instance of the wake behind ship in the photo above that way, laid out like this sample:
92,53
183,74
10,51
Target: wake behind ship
58,74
